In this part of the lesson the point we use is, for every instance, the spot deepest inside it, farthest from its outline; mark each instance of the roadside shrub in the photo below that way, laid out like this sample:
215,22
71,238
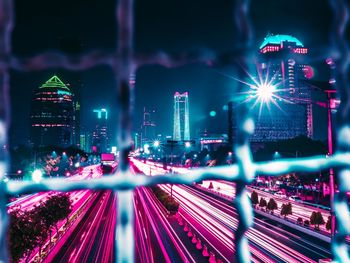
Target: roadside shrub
167,201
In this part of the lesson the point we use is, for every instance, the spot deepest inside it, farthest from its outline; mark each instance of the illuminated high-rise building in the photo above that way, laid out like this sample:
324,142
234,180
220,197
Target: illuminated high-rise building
283,61
181,129
76,126
52,114
100,131
148,126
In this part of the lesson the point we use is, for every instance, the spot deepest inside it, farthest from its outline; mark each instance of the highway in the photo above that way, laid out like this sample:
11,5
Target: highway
159,233
160,238
80,200
92,240
268,242
299,209
215,220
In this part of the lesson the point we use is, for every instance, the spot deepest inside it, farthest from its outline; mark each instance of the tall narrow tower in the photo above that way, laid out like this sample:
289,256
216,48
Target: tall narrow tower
148,126
181,117
100,133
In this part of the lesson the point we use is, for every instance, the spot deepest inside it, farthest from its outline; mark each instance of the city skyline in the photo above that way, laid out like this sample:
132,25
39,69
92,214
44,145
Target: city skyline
208,131
155,81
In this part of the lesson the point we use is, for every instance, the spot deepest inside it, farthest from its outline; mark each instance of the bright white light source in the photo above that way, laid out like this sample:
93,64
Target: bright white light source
37,175
187,144
146,148
156,144
265,91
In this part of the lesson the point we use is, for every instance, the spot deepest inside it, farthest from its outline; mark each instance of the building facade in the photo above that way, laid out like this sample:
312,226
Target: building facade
100,136
76,126
52,114
148,126
289,114
181,129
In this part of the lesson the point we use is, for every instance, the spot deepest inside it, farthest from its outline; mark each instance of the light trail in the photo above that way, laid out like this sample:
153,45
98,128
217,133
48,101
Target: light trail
299,209
220,219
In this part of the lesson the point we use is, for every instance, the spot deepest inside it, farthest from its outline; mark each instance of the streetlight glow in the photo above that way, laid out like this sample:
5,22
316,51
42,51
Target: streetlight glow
187,144
265,92
146,148
156,144
37,175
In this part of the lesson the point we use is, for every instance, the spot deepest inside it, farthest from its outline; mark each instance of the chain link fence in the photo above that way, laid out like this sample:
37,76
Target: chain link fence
124,63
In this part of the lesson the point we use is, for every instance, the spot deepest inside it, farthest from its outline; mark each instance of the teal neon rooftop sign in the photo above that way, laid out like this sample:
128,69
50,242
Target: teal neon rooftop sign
100,112
278,39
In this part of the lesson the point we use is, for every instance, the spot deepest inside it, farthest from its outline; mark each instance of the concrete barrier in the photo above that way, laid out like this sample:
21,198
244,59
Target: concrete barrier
291,224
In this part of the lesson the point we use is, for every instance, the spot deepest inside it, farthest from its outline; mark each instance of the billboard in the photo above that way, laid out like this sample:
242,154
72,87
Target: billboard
107,157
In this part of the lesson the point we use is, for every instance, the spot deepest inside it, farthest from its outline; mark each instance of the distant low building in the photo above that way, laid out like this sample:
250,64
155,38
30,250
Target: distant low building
213,142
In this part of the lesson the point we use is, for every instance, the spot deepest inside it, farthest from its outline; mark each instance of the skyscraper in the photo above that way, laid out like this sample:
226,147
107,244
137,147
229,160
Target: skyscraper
283,61
52,114
181,129
76,122
100,131
148,126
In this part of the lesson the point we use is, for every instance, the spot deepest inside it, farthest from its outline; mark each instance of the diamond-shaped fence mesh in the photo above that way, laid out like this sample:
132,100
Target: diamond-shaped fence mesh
124,63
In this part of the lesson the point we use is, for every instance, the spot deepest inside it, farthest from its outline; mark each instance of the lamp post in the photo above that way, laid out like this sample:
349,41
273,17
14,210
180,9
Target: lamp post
330,150
329,105
264,93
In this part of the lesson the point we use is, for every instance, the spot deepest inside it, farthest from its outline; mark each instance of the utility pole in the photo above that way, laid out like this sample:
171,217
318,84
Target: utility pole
330,151
329,106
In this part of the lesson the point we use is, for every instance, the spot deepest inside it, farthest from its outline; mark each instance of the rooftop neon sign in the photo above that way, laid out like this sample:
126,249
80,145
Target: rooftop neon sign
99,113
54,82
278,39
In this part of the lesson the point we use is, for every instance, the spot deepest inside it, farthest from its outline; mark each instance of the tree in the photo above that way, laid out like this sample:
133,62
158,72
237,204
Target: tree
286,209
17,239
320,219
254,198
300,221
59,206
262,202
23,234
39,227
29,229
46,216
316,219
306,223
271,205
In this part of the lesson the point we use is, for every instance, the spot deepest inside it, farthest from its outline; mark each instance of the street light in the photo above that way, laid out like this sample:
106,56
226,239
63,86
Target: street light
276,155
187,144
330,105
37,175
265,92
156,144
146,148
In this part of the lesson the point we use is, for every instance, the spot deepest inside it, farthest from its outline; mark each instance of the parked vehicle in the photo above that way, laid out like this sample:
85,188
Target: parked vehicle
280,194
295,198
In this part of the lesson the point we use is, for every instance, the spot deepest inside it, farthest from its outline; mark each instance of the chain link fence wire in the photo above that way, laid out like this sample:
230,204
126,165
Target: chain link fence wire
124,63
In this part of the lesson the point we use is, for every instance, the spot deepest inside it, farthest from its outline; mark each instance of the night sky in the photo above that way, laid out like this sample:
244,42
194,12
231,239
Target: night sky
173,26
